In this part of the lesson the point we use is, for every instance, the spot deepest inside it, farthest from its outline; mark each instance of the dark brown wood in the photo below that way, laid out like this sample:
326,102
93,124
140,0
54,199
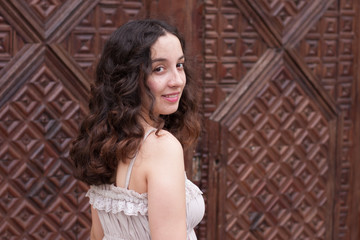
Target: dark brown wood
245,154
48,53
278,154
355,217
318,40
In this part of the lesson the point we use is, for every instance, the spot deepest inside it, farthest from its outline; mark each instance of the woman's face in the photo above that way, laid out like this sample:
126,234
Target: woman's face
167,78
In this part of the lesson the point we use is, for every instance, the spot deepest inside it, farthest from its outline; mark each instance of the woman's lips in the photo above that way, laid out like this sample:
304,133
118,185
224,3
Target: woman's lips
173,97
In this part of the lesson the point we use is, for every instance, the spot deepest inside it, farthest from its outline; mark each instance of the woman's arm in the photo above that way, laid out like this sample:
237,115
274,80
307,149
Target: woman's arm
96,228
166,187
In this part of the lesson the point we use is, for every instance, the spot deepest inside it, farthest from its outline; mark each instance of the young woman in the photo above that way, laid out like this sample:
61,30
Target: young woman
143,111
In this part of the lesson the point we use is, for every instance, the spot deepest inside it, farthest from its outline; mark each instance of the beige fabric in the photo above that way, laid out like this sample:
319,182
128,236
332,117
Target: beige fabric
123,212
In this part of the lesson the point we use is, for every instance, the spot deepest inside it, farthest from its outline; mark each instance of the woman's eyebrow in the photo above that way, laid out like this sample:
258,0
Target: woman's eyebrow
164,59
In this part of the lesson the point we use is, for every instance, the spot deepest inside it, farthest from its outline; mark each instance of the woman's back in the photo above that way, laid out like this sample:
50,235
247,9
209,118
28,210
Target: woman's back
124,213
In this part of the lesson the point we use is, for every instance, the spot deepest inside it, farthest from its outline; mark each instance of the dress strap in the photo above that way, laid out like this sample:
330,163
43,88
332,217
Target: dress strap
128,174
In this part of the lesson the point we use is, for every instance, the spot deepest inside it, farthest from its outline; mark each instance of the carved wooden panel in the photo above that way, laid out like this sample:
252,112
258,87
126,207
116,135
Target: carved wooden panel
48,50
279,155
47,53
268,167
11,42
329,50
267,149
37,123
283,17
231,47
86,40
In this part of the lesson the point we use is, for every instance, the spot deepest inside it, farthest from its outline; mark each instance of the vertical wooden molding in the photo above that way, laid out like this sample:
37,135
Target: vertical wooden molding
355,207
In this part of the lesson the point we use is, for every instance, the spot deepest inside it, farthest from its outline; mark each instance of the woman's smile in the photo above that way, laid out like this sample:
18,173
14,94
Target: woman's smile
173,97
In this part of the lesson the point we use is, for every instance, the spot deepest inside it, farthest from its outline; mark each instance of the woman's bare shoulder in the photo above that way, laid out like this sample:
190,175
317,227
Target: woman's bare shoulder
163,139
161,147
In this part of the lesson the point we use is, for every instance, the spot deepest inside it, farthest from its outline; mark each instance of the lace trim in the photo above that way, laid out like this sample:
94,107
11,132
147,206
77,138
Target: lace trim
113,199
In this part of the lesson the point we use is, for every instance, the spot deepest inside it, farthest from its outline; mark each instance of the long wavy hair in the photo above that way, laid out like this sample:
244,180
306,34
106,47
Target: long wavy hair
112,131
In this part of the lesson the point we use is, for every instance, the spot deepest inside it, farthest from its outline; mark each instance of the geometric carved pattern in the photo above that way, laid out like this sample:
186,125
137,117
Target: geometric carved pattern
283,12
44,9
85,42
277,165
42,109
330,55
39,195
286,18
329,51
10,42
232,47
39,199
322,38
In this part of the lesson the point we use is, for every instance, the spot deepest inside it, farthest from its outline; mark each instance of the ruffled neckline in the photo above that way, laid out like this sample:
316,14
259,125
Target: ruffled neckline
121,190
110,198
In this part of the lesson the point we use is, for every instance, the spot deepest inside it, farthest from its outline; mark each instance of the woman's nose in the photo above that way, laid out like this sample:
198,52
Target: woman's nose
177,78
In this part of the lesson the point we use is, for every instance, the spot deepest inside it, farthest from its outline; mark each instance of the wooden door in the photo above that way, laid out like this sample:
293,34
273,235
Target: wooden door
278,154
48,52
281,143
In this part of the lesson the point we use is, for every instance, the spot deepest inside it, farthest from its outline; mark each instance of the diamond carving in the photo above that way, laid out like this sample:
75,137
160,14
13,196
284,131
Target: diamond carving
268,129
61,100
9,197
42,195
232,47
44,119
25,215
9,119
237,162
60,212
236,197
44,8
26,138
85,46
265,196
283,15
11,42
44,81
25,177
39,121
61,139
283,12
292,140
280,149
251,179
26,99
267,163
9,159
60,174
8,231
43,230
235,230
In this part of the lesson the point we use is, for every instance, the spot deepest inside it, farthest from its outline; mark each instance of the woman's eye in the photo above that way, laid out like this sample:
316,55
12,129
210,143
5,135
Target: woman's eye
159,69
180,65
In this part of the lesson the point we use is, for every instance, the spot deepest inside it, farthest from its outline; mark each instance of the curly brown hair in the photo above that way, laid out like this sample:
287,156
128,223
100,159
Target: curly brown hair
112,131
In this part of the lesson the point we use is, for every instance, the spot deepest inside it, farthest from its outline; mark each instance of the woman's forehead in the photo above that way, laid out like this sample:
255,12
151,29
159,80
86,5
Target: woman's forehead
166,46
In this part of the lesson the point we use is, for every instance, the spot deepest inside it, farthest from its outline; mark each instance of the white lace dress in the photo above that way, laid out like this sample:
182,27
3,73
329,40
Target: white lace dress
123,212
